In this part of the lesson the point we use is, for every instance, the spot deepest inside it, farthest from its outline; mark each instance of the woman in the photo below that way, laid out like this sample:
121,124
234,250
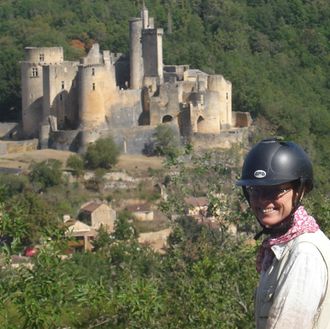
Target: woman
294,260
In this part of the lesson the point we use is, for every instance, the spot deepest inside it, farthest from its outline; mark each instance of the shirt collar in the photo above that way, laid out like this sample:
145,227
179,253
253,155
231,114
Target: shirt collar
279,250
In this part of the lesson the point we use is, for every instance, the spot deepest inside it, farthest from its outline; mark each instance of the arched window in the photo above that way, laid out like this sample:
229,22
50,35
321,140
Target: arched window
167,118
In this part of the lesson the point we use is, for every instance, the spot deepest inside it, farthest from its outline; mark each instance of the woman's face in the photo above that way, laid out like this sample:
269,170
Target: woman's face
271,204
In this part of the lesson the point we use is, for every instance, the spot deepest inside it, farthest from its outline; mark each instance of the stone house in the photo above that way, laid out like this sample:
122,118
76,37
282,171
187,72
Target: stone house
82,235
92,215
95,214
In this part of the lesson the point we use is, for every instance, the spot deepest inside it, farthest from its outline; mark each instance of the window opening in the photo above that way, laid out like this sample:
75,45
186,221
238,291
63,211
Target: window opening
34,71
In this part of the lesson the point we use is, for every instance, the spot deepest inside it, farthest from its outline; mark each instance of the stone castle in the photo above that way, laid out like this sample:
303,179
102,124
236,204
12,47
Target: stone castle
68,104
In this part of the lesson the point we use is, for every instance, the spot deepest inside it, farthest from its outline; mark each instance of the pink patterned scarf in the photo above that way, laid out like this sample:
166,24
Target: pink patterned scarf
302,223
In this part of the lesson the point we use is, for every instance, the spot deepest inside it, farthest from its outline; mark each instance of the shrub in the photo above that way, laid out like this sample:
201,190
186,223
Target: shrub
167,141
46,174
76,163
102,154
11,185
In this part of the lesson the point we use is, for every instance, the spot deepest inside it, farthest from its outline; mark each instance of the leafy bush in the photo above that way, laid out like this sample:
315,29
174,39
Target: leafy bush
102,154
46,174
11,185
167,141
76,163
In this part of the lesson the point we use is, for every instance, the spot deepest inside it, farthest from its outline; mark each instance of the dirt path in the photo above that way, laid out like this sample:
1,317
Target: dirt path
134,164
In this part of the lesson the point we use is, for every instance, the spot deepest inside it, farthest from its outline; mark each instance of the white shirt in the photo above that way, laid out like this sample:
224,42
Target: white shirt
300,289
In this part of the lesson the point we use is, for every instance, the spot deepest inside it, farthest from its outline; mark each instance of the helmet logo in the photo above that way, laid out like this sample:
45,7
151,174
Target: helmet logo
260,174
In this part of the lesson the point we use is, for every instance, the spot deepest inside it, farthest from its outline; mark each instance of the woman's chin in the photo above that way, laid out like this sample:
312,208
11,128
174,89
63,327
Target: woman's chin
270,220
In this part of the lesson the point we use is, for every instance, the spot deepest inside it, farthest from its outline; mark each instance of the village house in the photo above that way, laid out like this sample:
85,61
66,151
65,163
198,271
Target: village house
95,214
81,235
92,216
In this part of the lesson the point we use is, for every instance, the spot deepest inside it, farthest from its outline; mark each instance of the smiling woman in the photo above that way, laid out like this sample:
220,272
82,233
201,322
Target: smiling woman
293,262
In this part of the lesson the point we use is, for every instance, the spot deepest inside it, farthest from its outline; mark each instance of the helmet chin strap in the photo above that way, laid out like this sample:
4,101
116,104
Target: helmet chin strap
282,227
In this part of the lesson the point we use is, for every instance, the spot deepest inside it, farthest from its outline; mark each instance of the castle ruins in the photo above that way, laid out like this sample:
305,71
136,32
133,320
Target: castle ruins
68,104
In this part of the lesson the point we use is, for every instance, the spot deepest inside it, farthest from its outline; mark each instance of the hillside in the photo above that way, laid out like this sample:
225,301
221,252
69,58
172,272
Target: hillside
276,53
137,165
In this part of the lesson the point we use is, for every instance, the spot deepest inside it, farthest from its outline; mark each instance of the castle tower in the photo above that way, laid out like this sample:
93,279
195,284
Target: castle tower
96,85
146,52
32,85
136,61
152,52
60,93
218,84
145,16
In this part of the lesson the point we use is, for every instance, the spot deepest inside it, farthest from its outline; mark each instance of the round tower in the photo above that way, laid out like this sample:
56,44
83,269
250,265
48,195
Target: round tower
222,87
136,60
32,85
91,100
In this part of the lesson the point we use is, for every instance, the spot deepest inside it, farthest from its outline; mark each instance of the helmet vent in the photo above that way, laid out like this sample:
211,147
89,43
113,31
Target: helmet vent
260,174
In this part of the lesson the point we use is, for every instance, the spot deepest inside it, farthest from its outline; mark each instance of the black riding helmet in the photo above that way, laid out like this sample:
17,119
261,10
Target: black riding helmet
274,162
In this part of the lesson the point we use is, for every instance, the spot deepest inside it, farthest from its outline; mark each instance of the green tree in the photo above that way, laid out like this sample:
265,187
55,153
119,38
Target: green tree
167,141
46,174
124,230
11,185
76,163
13,229
103,153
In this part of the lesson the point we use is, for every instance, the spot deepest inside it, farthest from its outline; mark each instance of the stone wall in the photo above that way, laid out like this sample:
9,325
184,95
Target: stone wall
65,140
7,147
223,140
242,119
7,129
132,141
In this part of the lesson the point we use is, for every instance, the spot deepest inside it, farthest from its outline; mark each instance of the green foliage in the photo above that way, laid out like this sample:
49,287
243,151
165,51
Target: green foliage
76,163
167,141
46,174
37,213
13,229
42,293
102,240
276,54
124,230
319,206
11,185
101,154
